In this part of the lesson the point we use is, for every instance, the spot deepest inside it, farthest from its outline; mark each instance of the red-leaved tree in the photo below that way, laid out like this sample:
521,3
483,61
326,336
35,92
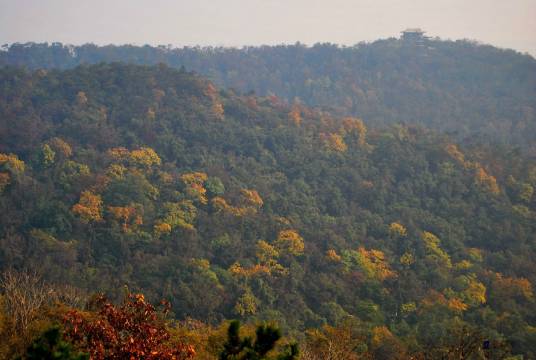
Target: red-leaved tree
130,331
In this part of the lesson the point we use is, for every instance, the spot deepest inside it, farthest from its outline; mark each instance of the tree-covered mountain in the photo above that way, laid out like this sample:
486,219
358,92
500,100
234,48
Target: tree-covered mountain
236,206
476,92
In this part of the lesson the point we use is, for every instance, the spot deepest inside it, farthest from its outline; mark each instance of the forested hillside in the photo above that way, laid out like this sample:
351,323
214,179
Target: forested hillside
236,206
474,92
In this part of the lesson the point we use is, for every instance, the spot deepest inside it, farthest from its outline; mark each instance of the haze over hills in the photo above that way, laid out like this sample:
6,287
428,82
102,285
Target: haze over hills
367,196
252,207
474,92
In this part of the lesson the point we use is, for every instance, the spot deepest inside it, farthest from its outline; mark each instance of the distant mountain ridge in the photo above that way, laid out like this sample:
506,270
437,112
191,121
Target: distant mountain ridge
477,92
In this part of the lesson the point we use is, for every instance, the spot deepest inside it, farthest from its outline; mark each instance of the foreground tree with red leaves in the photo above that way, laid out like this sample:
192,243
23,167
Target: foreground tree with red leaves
132,331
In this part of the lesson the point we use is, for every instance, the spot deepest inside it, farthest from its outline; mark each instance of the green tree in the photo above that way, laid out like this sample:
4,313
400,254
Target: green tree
214,186
266,337
50,346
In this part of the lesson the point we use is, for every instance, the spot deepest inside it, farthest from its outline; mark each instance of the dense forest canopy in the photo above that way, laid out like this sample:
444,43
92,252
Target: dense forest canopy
238,206
474,92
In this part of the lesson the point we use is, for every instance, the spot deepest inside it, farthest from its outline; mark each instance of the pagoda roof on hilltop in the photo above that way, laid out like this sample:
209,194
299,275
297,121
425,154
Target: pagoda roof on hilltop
414,30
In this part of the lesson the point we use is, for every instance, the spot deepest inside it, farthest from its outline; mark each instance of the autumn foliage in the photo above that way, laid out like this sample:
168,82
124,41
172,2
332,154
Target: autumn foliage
4,180
333,142
12,163
128,216
249,204
89,208
295,115
397,230
289,241
133,330
305,219
374,264
144,157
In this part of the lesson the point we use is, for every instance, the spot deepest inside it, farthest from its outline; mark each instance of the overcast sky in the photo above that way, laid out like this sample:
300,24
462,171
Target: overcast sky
503,23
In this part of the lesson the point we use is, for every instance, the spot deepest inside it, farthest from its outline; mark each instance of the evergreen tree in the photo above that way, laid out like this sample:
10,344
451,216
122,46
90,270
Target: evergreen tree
50,346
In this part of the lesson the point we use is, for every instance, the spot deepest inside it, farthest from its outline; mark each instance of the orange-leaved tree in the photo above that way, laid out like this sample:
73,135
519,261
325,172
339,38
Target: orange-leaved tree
89,208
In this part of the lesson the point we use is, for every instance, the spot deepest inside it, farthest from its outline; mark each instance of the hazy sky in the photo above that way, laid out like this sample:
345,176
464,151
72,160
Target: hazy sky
504,23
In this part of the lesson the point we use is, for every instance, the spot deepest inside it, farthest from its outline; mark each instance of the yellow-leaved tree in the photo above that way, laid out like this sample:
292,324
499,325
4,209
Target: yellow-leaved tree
195,189
267,256
333,142
250,203
295,114
354,128
472,291
89,207
161,228
486,181
332,255
434,254
265,252
397,230
10,167
251,198
217,107
4,181
129,217
60,147
180,214
12,163
247,303
218,110
290,242
144,157
371,263
456,154
374,264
